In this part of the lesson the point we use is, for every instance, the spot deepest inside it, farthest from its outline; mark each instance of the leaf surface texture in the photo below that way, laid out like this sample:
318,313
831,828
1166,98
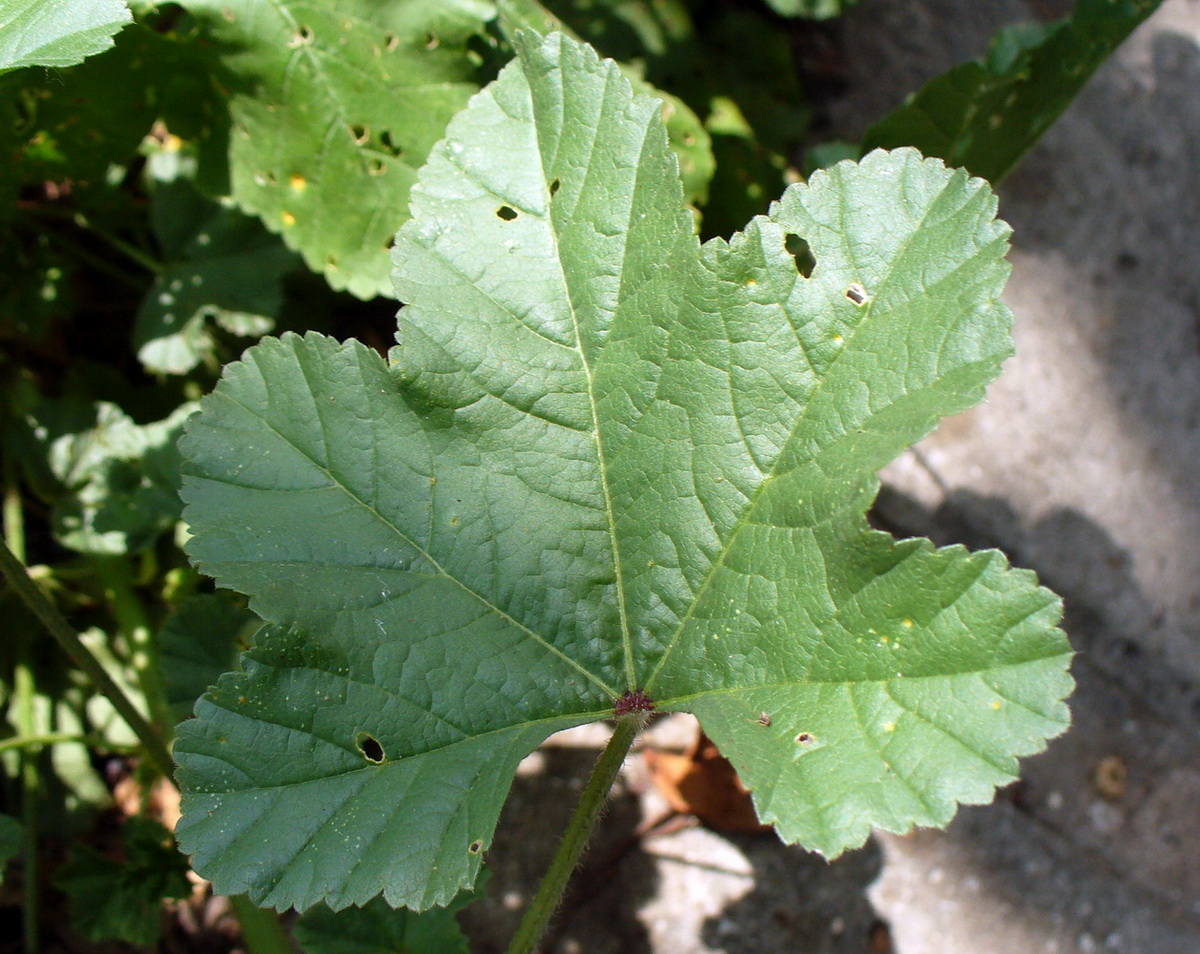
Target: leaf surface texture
604,457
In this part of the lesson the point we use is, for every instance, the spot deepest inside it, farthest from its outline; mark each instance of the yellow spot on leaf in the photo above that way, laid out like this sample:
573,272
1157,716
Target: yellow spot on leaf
298,182
288,218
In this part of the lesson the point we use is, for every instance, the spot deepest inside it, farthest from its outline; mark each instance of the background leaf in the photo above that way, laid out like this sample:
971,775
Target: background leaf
57,32
376,928
227,272
332,107
199,642
10,841
117,481
986,114
814,9
121,899
603,458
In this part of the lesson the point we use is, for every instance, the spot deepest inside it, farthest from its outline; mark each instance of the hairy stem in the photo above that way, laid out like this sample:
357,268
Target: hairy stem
68,639
574,840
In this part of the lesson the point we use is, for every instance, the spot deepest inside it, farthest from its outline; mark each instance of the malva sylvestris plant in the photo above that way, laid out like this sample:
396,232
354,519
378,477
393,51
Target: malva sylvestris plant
606,470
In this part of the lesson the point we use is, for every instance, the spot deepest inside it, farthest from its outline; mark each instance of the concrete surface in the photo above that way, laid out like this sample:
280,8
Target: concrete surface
1083,466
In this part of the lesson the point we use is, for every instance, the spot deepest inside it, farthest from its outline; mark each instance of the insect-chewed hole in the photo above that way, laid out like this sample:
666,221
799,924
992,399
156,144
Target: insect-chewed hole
554,186
805,738
801,254
475,847
386,141
431,41
361,133
303,37
507,212
370,748
390,42
857,294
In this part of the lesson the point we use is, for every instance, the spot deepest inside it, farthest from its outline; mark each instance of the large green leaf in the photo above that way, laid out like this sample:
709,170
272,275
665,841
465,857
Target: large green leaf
605,458
985,115
332,107
57,32
731,69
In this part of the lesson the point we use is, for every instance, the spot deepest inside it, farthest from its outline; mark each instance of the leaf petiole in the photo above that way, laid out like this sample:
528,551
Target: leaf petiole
579,829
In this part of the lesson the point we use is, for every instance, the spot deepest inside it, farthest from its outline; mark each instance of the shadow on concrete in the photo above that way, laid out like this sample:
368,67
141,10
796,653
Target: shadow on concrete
1114,190
1098,838
800,902
599,912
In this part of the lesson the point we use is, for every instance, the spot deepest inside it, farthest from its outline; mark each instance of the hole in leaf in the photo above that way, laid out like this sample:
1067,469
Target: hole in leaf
475,847
390,243
375,167
369,746
507,212
389,145
805,738
554,185
361,133
431,42
801,254
304,36
390,42
857,294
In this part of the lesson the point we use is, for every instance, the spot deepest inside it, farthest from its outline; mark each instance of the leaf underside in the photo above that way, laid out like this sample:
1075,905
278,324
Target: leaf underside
603,458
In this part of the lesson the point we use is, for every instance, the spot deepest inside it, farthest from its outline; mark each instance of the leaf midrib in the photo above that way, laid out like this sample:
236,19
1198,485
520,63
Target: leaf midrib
423,552
802,418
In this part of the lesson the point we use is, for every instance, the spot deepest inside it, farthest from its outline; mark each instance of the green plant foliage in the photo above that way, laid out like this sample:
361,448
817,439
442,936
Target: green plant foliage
605,458
198,643
226,270
813,9
332,107
986,114
117,481
73,124
685,132
377,928
121,899
11,837
57,32
730,67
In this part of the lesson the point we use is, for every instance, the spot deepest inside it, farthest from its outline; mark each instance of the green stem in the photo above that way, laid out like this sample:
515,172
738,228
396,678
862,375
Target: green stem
570,849
57,738
261,931
134,627
60,629
25,692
